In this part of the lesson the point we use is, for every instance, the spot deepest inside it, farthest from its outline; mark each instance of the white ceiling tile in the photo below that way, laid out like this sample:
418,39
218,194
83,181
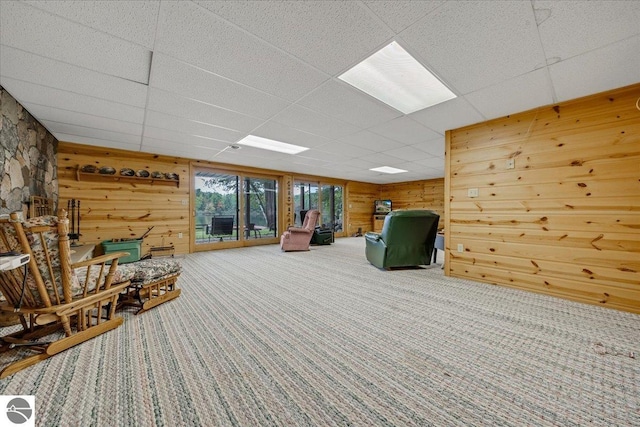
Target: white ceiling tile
382,159
183,138
342,167
448,115
195,83
571,81
252,63
165,121
404,130
341,101
32,30
317,155
408,153
81,119
230,52
50,97
512,96
309,121
345,150
363,165
134,21
413,171
400,14
381,178
159,146
434,147
371,141
436,163
329,35
57,128
47,72
472,45
283,133
258,153
570,28
245,161
96,142
176,105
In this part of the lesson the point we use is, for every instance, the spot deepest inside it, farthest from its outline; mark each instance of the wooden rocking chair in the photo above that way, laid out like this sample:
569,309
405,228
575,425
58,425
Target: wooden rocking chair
48,295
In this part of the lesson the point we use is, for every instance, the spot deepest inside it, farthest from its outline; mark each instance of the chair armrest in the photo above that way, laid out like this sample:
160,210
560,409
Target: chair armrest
99,259
374,237
299,230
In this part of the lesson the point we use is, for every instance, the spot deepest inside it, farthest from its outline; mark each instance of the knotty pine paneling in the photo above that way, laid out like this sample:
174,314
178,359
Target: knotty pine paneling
123,210
566,220
359,200
428,194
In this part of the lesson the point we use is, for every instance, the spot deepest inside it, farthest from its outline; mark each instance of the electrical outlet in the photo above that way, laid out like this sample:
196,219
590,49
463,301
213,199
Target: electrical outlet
511,163
460,247
179,235
184,203
472,192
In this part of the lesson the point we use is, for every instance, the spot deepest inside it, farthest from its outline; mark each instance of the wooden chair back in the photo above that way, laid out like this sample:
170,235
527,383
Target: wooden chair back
51,293
51,280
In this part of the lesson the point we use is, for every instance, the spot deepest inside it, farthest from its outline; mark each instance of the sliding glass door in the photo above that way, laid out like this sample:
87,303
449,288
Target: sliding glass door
305,197
216,207
232,210
327,198
260,208
331,209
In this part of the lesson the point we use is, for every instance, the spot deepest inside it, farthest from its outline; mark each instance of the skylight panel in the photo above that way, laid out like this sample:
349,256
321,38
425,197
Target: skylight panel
388,169
270,144
394,77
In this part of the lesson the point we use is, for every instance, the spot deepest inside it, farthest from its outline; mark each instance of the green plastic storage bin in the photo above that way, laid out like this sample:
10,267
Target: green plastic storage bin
131,246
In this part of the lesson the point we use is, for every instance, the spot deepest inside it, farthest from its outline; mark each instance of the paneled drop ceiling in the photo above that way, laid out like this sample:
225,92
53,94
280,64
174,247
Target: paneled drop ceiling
189,78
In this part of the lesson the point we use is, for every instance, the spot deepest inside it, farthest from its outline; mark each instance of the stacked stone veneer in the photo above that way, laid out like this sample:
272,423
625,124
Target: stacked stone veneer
28,164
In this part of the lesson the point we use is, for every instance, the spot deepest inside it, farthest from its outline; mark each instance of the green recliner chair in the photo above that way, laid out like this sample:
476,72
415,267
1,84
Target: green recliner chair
406,240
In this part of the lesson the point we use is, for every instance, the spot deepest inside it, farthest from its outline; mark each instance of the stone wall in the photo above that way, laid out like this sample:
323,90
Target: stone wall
28,164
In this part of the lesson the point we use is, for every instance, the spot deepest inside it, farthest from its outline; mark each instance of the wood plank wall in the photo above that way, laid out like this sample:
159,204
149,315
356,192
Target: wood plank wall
359,201
123,210
120,210
566,220
428,194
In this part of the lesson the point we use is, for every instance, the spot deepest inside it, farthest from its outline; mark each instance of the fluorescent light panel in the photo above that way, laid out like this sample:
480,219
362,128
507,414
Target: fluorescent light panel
270,144
397,79
388,169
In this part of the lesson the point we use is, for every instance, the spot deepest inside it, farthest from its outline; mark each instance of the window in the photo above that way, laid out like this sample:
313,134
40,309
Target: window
231,209
331,210
328,200
305,197
216,207
260,208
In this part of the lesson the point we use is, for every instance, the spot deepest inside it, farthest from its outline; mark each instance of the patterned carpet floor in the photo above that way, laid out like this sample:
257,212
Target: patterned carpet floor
322,338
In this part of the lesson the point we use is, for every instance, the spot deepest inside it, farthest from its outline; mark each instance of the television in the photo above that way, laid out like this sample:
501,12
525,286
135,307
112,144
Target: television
382,207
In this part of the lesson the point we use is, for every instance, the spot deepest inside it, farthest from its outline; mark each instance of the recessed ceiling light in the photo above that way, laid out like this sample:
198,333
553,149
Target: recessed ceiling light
397,79
270,144
388,169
